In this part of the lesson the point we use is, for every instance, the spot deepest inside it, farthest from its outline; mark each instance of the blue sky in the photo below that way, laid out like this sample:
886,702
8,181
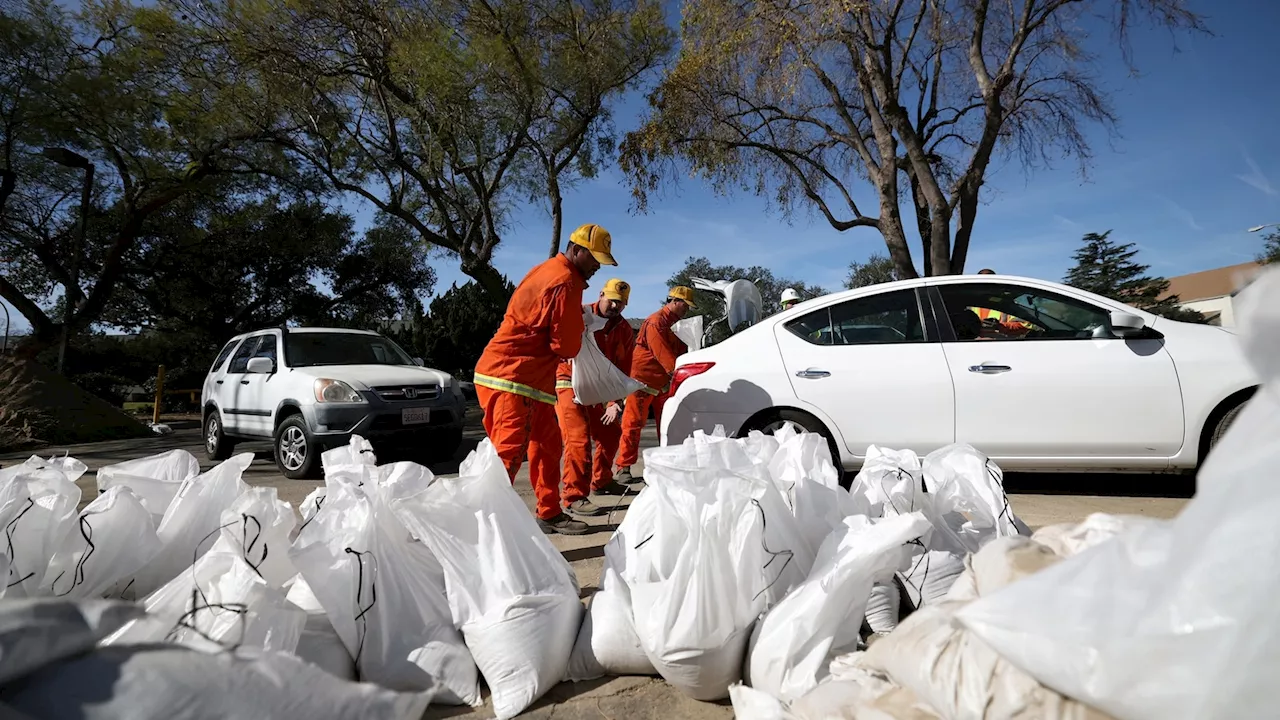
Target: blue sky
1196,163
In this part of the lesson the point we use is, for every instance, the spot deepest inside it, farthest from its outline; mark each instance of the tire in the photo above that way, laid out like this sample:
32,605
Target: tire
1224,424
808,423
296,452
217,446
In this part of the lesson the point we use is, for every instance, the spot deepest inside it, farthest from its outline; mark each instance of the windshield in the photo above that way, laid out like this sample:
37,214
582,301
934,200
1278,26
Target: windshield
314,349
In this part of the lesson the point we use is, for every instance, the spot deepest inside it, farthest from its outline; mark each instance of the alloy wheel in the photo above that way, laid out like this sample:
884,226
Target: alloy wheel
293,448
212,429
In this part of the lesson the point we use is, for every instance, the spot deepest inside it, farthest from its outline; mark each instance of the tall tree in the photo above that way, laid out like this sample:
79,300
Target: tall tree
877,269
711,305
1106,268
1270,248
802,102
91,82
440,114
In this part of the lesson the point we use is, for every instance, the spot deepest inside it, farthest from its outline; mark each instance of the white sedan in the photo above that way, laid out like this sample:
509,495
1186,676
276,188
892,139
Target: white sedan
1038,375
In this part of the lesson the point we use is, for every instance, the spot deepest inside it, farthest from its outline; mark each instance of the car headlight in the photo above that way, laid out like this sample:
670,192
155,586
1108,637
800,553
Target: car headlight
336,391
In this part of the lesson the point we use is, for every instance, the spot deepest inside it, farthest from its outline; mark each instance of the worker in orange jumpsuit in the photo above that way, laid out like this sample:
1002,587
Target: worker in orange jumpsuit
652,362
580,425
515,377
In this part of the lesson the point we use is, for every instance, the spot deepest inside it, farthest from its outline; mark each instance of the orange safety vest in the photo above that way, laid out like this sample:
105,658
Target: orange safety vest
616,340
542,326
657,348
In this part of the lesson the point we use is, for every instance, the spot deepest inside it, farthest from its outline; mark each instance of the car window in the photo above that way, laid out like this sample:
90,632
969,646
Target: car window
315,349
989,311
240,361
892,317
222,356
266,348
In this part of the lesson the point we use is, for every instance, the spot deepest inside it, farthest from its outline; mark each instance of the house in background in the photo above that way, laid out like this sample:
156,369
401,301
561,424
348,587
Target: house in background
1212,292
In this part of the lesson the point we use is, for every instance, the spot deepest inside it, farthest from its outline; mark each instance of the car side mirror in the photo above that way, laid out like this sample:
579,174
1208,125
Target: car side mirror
1125,324
260,366
419,362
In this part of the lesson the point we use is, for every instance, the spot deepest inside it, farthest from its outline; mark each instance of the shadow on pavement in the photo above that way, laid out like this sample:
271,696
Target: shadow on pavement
1102,484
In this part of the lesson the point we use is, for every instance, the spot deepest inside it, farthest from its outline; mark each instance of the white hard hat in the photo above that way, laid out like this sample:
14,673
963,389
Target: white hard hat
790,295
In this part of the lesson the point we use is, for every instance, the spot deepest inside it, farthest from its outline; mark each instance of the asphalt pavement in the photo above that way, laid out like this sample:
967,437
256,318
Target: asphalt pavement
1038,499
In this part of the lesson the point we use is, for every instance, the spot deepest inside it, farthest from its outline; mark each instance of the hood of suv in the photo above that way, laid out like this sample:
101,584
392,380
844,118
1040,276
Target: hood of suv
363,377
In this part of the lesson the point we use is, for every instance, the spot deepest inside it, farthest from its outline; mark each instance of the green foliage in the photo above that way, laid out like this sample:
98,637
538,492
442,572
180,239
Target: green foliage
441,114
1106,268
453,334
877,269
711,305
803,103
1270,248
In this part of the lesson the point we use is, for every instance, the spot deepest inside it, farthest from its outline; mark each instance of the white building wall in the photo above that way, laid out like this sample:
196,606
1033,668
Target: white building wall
1221,305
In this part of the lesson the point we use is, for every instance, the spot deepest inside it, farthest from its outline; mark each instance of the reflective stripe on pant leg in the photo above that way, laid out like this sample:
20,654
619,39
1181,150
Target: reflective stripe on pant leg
634,416
545,448
576,475
659,402
506,423
605,438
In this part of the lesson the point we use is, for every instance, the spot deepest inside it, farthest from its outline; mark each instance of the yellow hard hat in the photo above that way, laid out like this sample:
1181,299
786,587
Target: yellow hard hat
680,292
597,240
618,290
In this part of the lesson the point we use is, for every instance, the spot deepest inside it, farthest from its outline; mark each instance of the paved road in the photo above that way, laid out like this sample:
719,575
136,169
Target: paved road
1038,500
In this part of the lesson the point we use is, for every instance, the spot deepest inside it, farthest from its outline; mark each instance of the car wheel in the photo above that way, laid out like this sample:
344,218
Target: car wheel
1224,424
807,423
217,446
297,455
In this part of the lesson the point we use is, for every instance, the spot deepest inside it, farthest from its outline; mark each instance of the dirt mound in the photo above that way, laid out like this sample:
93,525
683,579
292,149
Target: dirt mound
39,407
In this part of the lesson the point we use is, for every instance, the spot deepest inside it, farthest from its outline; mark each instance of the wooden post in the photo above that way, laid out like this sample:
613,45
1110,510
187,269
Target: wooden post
155,411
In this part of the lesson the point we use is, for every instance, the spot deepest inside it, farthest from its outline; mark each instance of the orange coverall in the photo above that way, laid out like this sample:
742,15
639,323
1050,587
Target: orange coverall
652,363
579,424
516,375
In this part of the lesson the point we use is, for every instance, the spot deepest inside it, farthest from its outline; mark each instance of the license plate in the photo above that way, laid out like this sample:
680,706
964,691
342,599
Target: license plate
415,416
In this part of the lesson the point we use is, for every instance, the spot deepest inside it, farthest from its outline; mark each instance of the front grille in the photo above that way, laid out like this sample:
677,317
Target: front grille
403,393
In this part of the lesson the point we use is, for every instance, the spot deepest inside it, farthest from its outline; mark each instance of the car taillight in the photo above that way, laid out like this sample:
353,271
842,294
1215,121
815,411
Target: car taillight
684,372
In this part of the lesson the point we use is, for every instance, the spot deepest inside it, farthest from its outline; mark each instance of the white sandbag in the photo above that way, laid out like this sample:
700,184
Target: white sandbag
689,330
312,502
794,643
219,603
883,607
1067,539
175,683
383,590
833,700
890,482
155,479
951,670
38,522
607,643
14,497
114,537
190,525
931,573
257,527
354,462
511,592
36,632
967,493
319,643
67,465
725,548
596,380
804,474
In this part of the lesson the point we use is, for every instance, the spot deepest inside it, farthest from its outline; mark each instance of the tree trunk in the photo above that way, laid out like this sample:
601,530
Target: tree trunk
557,213
923,224
968,207
490,279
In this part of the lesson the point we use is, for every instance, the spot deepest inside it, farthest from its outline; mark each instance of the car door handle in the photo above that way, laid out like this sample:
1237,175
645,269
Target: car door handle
812,373
217,382
989,369
244,382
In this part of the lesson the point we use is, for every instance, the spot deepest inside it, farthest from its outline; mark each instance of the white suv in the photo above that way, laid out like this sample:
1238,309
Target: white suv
309,389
